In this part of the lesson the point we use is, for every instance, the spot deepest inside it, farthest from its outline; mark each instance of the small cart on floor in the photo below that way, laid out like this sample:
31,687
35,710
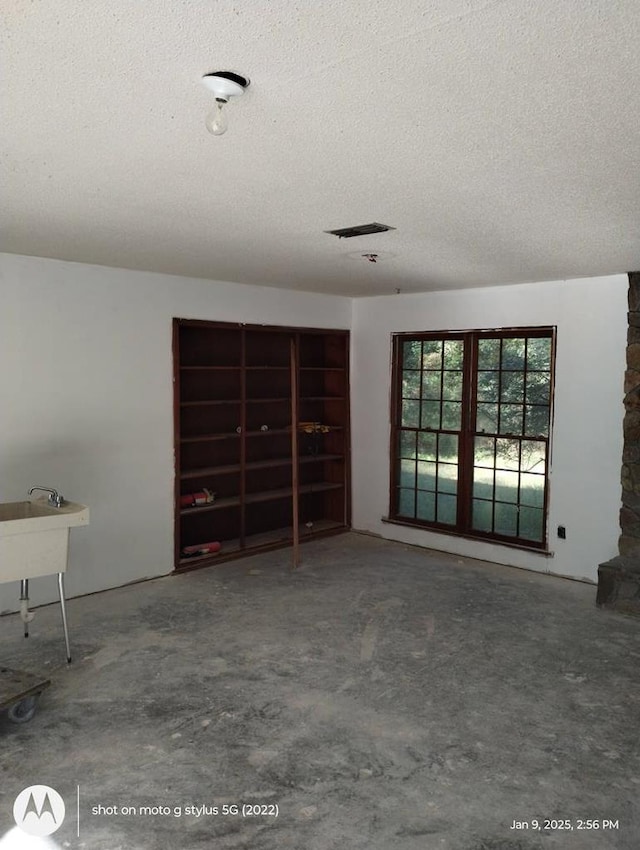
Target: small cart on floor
19,693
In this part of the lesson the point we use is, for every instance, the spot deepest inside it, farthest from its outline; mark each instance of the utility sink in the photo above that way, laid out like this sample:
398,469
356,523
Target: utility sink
34,541
34,537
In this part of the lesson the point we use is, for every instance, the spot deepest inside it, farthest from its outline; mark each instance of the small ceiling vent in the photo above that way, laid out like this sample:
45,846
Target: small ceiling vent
360,230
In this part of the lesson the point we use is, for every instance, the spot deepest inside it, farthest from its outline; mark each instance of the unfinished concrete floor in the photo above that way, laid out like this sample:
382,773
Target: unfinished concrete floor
381,697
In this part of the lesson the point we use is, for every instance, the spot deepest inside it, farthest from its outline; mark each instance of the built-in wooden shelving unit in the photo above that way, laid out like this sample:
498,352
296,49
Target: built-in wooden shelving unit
237,391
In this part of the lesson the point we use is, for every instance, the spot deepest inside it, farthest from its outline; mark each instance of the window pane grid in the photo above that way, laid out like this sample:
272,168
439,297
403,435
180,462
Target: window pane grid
428,469
505,475
508,433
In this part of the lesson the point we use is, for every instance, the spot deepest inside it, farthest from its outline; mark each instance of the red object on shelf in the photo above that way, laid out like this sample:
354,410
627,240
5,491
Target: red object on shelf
204,497
201,549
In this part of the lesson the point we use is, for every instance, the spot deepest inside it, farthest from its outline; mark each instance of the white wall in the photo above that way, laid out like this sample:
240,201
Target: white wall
590,315
86,400
86,403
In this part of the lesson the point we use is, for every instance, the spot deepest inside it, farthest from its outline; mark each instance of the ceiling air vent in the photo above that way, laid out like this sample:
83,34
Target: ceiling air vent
360,230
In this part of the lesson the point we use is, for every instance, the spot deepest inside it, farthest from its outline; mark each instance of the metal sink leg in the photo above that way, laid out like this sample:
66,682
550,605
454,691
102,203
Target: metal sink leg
63,608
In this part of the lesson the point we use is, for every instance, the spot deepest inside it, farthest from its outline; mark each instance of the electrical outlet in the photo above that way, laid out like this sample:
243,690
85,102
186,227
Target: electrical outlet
562,532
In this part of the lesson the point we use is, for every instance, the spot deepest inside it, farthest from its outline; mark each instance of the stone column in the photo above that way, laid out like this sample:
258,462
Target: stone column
619,578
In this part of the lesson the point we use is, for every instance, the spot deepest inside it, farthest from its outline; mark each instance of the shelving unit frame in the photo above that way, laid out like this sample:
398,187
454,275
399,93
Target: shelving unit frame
236,389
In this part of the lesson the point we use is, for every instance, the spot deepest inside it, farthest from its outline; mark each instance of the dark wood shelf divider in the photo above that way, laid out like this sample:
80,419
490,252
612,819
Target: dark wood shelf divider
201,402
234,439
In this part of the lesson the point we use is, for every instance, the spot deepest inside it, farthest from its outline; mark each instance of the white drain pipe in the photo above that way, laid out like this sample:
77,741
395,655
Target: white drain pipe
25,615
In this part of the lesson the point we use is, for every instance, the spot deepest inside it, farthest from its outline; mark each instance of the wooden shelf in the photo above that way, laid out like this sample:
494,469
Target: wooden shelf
274,539
210,470
218,505
206,438
229,547
285,492
321,433
261,496
269,432
279,399
228,375
236,467
226,469
210,368
210,402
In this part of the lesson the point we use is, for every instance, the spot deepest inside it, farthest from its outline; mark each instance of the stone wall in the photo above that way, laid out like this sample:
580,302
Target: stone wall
630,512
619,578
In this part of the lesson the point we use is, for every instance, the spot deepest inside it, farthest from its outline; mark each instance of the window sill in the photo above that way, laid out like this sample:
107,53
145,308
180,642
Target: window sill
534,550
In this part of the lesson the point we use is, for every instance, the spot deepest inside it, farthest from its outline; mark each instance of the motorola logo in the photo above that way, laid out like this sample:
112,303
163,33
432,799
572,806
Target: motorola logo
39,810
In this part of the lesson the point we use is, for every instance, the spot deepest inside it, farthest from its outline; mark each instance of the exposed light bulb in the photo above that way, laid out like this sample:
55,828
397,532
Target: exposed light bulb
216,121
225,85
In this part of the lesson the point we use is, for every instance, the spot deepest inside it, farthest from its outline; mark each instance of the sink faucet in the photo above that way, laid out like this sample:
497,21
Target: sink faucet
55,499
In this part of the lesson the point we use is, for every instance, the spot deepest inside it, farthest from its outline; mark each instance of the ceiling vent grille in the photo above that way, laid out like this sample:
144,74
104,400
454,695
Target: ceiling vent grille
360,230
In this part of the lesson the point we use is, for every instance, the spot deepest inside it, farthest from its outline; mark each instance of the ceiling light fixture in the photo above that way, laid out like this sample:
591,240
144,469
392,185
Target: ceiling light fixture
224,85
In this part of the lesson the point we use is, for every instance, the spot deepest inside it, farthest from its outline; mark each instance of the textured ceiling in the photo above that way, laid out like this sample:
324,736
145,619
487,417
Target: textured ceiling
500,139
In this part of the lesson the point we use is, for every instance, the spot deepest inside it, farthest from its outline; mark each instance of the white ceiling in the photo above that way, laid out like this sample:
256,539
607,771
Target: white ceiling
499,137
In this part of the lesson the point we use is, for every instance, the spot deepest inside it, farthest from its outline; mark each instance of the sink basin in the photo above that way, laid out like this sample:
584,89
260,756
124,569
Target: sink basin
38,514
23,510
34,537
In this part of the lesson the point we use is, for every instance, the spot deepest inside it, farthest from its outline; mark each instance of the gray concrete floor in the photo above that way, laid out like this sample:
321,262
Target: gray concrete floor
381,697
